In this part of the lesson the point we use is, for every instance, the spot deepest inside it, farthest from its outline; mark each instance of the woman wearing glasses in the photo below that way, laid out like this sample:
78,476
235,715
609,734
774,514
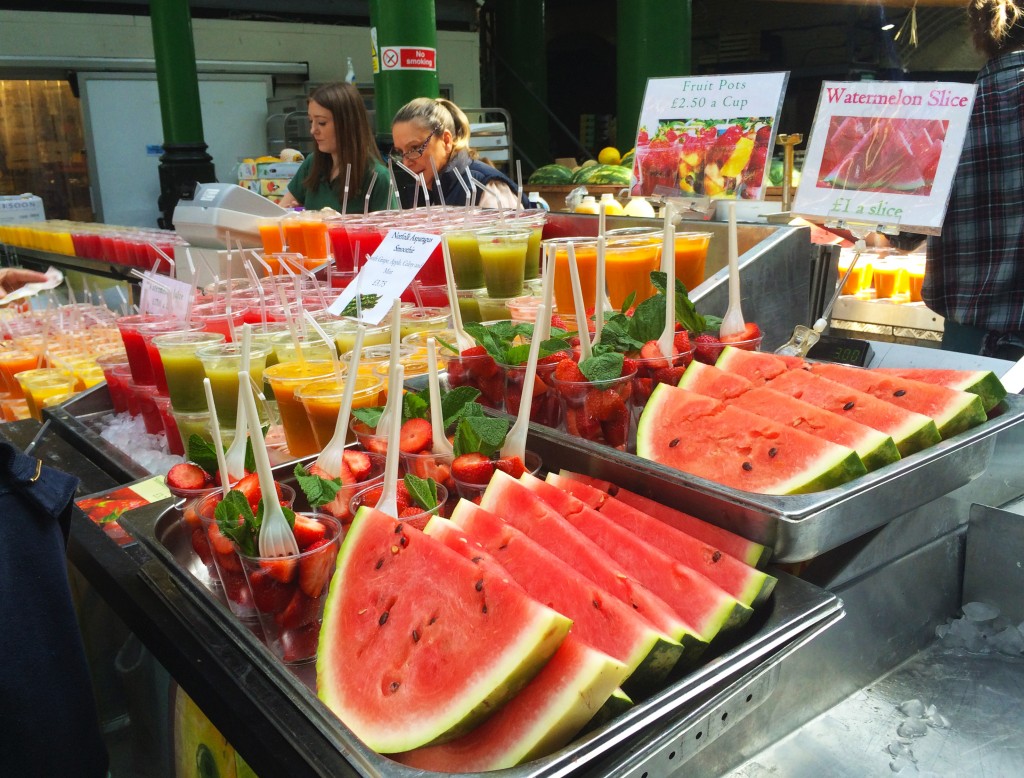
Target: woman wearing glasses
426,131
341,130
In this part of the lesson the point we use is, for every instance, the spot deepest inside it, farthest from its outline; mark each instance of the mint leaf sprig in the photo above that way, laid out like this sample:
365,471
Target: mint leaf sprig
244,533
422,491
319,491
479,433
503,340
416,405
202,453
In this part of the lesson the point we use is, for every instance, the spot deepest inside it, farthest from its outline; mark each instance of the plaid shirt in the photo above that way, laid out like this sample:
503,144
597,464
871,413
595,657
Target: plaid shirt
975,271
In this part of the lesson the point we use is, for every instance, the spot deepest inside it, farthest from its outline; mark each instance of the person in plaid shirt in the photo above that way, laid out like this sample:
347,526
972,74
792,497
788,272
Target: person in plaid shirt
975,271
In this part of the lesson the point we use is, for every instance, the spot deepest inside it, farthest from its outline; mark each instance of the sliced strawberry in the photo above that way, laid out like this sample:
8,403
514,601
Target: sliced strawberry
299,644
602,403
201,545
629,366
580,424
554,359
616,428
750,332
651,352
372,496
708,347
402,498
300,611
409,512
308,531
250,487
229,563
474,351
669,375
492,390
568,370
315,567
269,594
559,323
358,462
511,465
281,569
416,436
188,476
219,542
681,342
473,468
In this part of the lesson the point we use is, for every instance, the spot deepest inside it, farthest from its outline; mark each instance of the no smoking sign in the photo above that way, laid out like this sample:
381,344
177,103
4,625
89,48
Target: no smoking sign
408,58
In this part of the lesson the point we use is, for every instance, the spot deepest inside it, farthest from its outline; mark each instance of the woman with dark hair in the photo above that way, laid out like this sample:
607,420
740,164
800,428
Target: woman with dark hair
429,130
341,130
975,268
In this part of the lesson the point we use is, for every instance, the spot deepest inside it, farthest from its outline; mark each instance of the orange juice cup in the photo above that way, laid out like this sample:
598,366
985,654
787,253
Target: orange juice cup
628,266
586,261
314,237
890,279
691,257
11,364
860,278
37,385
322,401
295,236
272,235
286,379
915,278
415,365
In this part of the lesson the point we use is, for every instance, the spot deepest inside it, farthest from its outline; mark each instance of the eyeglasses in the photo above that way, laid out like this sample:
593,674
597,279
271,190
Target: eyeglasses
416,153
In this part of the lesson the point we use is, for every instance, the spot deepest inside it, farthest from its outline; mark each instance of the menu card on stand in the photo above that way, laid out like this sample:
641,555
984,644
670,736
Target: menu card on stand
707,136
386,274
165,296
883,153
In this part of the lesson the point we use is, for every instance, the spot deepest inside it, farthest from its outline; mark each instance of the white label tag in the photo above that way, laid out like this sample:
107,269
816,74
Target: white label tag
164,296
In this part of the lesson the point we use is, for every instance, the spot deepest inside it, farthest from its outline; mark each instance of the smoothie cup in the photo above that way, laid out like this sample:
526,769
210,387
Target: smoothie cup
150,331
491,308
861,277
628,266
322,401
198,423
467,267
424,320
418,342
221,363
38,388
890,279
294,235
14,362
534,222
586,261
140,400
312,346
314,234
915,279
174,442
107,363
345,335
469,305
691,257
272,235
503,254
287,378
182,367
135,347
214,317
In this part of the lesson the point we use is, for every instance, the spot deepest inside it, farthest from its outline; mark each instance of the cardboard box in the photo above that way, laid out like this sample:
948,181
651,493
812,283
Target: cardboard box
273,186
21,208
249,171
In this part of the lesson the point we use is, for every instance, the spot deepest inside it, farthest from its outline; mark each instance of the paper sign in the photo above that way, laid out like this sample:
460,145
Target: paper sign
883,153
164,296
707,135
387,273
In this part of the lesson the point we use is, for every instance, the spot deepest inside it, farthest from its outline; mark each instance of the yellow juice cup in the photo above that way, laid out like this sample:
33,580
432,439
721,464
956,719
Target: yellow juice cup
322,401
861,277
424,320
415,364
345,335
37,385
915,278
586,261
221,364
418,342
287,378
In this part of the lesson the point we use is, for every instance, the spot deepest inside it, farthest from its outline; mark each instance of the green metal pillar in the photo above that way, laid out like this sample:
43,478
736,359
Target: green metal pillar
404,40
522,76
653,40
185,160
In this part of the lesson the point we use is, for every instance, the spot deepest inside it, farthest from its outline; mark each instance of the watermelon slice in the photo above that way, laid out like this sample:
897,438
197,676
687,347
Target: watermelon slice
874,448
983,383
702,603
587,489
953,411
756,366
525,511
747,584
405,619
599,620
709,439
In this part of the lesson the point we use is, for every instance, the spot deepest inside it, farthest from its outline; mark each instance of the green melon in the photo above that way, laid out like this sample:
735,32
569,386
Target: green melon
588,489
551,175
599,620
525,511
952,410
603,175
405,618
696,599
710,439
747,584
983,383
875,448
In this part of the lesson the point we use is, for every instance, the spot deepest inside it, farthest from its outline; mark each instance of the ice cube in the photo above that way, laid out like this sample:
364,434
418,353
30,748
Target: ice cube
936,721
941,631
1010,642
913,708
899,764
980,611
911,728
899,748
977,644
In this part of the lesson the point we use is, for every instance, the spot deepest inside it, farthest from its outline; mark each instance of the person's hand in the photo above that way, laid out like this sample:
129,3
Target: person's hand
12,278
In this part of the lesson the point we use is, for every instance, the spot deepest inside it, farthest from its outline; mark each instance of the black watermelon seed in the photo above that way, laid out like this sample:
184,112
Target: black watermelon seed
476,559
772,451
383,619
395,685
380,563
480,585
432,620
503,547
635,606
484,608
404,541
415,636
716,556
747,466
899,393
848,406
673,443
596,604
398,528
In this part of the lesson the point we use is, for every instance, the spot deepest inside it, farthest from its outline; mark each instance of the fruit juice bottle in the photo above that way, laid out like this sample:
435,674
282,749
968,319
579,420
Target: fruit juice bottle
135,346
503,254
322,401
294,236
628,266
222,363
272,235
586,261
691,257
287,378
467,267
13,362
183,369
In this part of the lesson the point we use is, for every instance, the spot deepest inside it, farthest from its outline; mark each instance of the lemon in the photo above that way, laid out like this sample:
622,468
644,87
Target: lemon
609,156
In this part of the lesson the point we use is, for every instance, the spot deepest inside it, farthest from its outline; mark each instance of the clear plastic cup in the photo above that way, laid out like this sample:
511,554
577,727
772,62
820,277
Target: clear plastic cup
322,401
286,379
417,518
503,254
183,369
598,411
222,363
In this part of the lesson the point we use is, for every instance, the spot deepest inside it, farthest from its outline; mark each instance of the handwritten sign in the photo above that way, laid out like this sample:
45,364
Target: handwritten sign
164,296
387,273
707,136
883,153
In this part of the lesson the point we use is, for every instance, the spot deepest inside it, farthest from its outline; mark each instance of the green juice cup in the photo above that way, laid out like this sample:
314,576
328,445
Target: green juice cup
184,371
221,364
535,224
503,253
467,266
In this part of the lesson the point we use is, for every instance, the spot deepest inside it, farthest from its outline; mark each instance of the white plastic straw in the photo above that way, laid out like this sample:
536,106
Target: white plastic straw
577,298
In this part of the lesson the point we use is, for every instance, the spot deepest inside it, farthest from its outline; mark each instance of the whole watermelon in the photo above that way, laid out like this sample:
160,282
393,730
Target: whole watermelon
603,175
551,175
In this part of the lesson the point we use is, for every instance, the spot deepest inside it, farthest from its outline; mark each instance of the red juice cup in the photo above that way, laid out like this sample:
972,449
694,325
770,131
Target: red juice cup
363,239
598,411
214,317
115,385
150,331
121,396
337,234
135,346
142,398
174,442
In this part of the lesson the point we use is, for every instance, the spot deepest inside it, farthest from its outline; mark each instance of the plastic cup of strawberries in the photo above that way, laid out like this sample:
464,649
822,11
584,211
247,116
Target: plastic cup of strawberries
219,553
472,472
708,346
408,512
475,367
359,470
289,593
653,368
545,408
596,410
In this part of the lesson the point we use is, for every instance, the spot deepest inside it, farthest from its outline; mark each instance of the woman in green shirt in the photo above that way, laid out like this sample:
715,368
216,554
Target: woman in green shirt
341,130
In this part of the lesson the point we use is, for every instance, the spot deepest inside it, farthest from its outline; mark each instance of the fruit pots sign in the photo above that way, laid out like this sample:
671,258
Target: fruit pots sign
883,153
707,136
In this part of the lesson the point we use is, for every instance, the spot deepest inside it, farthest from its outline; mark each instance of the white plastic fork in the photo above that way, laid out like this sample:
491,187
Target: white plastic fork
441,446
515,440
388,502
235,456
463,340
276,536
218,447
666,343
732,322
329,460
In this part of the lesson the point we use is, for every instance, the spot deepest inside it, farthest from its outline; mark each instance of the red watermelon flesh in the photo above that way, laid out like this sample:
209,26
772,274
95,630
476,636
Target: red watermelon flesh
710,439
538,721
952,410
983,383
696,599
587,489
875,448
756,366
419,645
747,584
525,511
599,620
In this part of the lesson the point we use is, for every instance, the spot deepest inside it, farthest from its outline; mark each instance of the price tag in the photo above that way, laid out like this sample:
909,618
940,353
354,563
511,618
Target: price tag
164,296
387,273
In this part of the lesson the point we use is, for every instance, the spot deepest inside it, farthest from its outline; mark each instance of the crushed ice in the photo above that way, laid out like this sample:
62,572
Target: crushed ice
982,630
128,434
918,718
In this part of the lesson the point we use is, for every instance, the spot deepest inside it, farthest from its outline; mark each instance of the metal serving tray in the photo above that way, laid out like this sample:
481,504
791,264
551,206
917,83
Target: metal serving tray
795,613
798,527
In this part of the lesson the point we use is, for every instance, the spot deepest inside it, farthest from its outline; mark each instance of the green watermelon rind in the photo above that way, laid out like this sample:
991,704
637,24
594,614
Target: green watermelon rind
618,702
551,175
489,691
828,471
984,383
603,175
